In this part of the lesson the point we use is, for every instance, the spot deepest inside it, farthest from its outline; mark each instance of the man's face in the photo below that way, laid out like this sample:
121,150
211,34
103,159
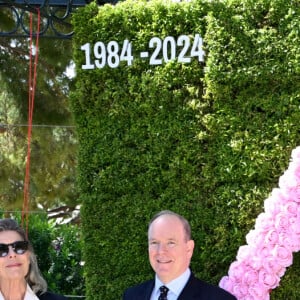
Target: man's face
169,251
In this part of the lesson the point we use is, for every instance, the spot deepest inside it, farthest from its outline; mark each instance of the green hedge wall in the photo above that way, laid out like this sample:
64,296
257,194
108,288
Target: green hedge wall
207,139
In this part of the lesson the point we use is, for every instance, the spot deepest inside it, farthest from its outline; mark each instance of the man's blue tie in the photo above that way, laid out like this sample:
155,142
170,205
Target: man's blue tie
163,293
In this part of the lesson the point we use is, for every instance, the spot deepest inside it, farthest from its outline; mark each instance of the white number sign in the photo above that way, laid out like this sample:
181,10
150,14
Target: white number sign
159,51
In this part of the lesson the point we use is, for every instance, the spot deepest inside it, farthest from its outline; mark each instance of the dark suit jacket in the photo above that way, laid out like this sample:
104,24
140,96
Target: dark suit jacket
51,296
195,289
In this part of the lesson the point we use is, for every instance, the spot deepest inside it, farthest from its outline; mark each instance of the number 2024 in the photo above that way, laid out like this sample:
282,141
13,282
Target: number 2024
110,54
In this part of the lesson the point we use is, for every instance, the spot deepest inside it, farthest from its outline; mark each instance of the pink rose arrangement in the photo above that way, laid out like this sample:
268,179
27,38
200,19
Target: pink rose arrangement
270,245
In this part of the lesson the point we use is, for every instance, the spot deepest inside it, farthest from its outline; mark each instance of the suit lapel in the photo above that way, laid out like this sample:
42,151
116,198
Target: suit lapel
148,290
191,290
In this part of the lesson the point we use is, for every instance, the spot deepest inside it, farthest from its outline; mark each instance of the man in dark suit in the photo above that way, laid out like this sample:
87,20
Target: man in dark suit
170,252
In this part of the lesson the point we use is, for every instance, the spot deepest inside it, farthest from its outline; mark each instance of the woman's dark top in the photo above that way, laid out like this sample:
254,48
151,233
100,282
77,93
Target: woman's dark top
51,296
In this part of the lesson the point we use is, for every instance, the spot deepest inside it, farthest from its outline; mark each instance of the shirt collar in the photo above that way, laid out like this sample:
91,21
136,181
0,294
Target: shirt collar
30,295
176,285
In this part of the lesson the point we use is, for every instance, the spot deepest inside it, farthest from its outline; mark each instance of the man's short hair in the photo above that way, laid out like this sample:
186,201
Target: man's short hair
184,221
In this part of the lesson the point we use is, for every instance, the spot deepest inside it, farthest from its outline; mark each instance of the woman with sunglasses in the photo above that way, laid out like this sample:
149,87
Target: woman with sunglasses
20,278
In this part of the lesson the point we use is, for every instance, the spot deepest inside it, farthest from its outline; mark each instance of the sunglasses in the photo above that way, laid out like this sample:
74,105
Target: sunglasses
19,247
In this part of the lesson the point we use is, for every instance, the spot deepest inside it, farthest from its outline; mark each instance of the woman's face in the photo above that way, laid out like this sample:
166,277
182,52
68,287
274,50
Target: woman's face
13,266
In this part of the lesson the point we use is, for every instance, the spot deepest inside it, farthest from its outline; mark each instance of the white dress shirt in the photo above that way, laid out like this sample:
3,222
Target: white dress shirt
175,286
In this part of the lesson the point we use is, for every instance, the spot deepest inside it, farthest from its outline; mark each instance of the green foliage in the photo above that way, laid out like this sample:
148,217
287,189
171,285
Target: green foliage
66,271
210,145
40,235
52,163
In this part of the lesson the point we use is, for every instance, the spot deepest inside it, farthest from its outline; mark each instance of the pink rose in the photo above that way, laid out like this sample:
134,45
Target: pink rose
268,279
264,251
282,222
279,196
291,177
245,252
226,283
294,169
293,193
271,206
295,225
250,277
240,291
291,238
296,193
236,270
271,237
272,266
283,256
264,221
254,238
259,292
291,208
